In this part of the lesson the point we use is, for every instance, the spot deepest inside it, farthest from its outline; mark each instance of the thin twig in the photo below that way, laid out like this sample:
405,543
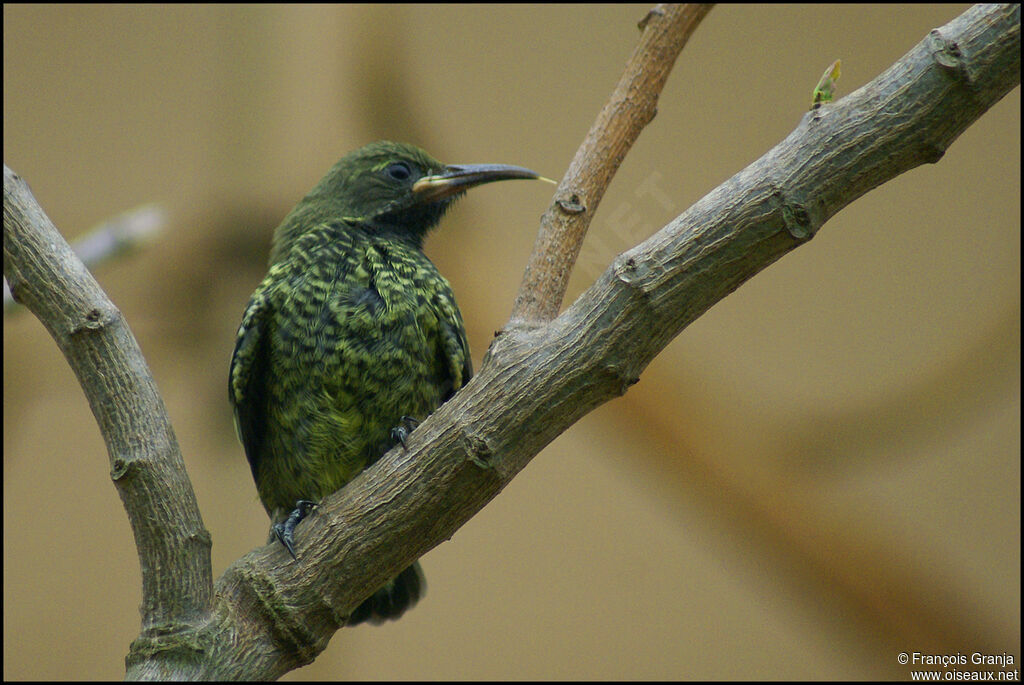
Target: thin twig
115,237
631,106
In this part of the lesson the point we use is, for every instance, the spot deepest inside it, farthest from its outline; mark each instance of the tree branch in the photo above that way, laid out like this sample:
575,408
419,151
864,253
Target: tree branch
114,237
146,465
632,106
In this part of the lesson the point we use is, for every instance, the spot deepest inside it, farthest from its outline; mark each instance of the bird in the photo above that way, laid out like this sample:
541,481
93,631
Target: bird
352,338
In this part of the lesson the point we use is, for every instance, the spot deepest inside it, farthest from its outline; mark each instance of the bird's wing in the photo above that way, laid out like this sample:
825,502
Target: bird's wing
467,361
456,347
248,376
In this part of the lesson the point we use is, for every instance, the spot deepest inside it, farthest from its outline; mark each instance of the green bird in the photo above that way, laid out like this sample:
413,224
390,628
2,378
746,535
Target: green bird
352,337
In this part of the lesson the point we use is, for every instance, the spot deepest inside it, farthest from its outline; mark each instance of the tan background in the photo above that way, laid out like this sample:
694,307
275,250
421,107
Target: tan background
820,473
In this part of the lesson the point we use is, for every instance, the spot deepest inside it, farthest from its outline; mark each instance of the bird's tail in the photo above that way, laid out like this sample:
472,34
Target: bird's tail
390,602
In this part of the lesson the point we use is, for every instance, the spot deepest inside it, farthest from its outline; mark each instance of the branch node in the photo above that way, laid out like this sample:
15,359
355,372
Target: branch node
797,221
655,11
795,217
945,52
631,273
96,319
477,450
624,377
120,468
571,206
301,641
171,638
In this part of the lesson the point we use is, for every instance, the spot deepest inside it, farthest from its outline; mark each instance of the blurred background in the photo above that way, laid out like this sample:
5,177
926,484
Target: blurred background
820,473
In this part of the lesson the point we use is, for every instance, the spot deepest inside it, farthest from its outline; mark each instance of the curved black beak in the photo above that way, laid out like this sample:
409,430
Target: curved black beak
458,178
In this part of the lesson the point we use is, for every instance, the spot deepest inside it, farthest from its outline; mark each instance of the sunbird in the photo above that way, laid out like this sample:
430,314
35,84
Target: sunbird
352,338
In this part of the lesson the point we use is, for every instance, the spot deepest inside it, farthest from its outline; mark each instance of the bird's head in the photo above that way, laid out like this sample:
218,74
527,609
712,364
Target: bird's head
391,188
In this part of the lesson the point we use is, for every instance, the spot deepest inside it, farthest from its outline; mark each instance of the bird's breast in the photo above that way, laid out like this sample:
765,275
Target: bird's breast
366,318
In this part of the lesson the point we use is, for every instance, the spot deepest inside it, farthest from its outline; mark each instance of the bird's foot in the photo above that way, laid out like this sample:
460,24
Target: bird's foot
284,531
401,432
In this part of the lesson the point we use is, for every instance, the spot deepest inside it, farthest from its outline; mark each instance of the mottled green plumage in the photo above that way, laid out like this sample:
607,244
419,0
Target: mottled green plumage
352,332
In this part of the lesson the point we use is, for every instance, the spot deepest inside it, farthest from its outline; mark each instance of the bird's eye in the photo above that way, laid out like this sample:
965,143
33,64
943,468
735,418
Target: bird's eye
399,171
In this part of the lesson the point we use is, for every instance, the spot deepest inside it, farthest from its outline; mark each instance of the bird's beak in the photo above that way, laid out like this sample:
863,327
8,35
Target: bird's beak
461,177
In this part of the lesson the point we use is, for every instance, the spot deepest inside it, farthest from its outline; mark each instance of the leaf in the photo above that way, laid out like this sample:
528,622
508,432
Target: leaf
823,91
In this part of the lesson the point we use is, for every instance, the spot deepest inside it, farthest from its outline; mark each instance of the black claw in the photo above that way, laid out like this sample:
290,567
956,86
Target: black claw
402,431
284,536
285,531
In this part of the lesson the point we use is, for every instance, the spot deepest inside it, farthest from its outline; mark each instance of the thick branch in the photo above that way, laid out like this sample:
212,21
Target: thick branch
146,464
